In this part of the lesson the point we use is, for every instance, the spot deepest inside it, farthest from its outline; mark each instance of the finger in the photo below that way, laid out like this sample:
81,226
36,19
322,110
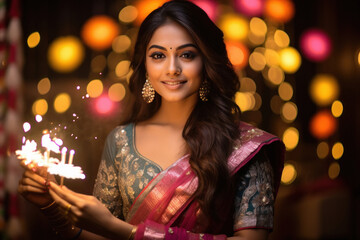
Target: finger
66,194
23,189
37,178
31,182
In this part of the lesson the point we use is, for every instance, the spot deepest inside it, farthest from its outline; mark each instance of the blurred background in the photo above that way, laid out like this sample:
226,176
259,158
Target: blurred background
64,68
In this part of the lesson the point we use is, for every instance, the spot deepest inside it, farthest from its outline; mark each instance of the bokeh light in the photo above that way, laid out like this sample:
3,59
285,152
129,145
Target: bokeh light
322,150
40,107
95,88
291,138
235,27
324,89
257,61
117,92
290,59
122,68
99,32
44,86
245,101
33,39
272,57
281,38
289,112
285,91
315,45
65,54
62,102
289,174
334,170
103,105
128,14
238,54
145,8
250,7
275,75
323,124
121,43
247,85
209,6
337,150
258,26
38,118
26,126
279,10
337,108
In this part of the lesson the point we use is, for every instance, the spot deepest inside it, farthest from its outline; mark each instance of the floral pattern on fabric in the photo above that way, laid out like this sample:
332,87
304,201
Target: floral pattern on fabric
254,201
129,172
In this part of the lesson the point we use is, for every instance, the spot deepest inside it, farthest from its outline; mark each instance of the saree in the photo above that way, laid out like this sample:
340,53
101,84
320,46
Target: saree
165,207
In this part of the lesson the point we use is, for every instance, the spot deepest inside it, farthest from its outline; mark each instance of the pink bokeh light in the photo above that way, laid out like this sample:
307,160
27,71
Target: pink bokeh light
315,44
209,6
250,8
103,105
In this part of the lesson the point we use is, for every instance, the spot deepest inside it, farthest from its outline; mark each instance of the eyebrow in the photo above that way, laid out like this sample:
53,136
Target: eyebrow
178,48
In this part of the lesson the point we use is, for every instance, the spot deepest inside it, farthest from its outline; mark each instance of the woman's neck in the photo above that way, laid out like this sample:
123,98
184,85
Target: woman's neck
174,114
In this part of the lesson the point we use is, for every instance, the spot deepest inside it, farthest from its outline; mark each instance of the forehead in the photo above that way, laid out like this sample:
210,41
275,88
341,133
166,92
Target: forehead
170,34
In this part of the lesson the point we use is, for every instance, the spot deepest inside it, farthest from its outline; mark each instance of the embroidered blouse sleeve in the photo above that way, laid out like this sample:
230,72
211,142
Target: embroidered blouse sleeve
254,200
106,187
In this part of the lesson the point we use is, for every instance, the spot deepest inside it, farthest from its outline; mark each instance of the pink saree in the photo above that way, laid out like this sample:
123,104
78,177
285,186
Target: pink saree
165,209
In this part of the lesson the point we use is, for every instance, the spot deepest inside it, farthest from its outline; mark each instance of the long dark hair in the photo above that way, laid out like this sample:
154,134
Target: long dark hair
212,127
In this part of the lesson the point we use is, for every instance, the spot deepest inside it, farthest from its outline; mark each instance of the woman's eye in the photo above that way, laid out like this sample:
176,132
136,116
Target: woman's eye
157,55
188,55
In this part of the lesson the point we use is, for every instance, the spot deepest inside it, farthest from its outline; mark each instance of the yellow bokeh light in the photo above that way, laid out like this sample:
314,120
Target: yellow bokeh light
62,102
255,39
95,88
245,101
234,27
247,85
257,61
258,26
289,112
40,107
358,57
337,150
322,150
122,68
290,59
117,92
128,14
276,75
337,108
33,40
291,138
334,170
272,57
44,86
324,89
289,174
281,38
65,54
285,91
121,43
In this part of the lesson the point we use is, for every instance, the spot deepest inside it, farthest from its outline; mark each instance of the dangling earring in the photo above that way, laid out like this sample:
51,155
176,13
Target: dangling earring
148,92
204,91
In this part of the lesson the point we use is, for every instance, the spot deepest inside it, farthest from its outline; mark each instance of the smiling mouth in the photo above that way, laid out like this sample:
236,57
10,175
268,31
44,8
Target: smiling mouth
173,83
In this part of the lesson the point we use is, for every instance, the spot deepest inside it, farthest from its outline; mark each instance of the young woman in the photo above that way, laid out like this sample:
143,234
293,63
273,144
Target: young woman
181,165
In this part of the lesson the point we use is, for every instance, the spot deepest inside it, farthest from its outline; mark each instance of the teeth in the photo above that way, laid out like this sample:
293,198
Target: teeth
173,83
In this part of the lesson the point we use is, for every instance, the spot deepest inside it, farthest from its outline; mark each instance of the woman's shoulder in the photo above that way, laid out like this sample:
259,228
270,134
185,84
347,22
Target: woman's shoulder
120,133
249,132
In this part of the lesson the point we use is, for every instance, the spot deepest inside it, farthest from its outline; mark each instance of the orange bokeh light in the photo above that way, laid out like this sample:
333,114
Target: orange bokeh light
279,10
238,54
145,8
99,32
323,124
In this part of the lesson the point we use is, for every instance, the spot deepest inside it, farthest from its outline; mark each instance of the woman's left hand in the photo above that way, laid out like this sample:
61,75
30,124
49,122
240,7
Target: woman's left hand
85,211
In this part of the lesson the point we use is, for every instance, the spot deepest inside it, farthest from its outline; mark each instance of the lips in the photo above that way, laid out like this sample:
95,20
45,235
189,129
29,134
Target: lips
174,83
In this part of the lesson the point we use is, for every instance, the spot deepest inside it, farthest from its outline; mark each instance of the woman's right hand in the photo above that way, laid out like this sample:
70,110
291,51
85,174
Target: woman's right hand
33,185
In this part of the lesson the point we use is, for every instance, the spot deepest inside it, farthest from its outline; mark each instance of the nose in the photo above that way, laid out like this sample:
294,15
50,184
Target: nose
174,68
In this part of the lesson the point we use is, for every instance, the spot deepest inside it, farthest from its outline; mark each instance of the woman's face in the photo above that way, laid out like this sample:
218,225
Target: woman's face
174,64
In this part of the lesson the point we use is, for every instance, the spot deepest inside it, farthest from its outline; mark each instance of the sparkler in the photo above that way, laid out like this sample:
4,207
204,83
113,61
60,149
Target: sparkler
30,154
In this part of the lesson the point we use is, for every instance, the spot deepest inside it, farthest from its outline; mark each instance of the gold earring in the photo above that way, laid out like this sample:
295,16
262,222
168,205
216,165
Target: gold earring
204,91
148,92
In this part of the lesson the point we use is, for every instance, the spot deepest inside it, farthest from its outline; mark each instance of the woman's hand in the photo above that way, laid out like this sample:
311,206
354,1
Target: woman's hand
33,185
89,213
